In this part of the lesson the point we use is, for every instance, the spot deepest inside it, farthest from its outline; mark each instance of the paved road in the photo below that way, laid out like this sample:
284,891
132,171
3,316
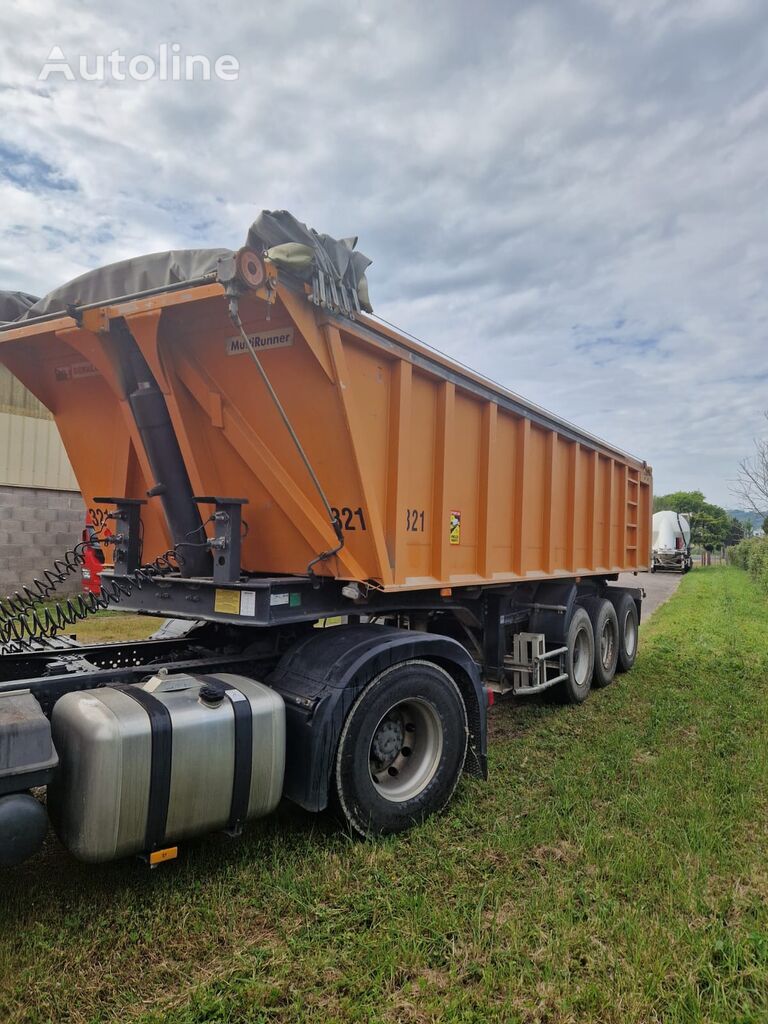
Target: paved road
658,586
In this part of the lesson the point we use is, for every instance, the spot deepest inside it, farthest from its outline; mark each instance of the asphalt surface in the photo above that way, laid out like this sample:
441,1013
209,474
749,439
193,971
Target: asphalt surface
658,587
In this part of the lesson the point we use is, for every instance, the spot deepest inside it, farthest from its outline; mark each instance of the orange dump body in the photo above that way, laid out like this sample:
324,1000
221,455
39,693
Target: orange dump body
441,479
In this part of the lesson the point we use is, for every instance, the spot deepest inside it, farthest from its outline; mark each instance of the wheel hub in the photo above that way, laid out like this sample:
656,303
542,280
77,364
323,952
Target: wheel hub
580,660
388,741
607,644
630,634
405,749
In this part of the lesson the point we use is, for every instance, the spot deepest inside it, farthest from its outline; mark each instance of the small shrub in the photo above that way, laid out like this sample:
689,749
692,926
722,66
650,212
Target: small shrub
752,556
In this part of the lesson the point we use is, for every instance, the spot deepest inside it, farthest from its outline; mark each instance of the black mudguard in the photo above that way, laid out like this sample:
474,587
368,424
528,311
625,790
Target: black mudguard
566,595
636,593
554,624
321,677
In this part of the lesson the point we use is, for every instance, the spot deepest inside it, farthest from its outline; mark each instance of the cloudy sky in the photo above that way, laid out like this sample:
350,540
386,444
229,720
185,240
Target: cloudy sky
568,195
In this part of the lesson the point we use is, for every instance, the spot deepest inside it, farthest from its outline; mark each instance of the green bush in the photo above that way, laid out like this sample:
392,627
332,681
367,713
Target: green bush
752,556
738,553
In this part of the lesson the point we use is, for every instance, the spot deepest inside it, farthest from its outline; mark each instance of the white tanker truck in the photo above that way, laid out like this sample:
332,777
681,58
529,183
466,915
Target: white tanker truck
671,540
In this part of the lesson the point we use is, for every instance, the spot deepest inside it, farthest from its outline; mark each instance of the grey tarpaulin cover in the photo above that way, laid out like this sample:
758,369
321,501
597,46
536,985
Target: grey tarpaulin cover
14,304
139,274
295,248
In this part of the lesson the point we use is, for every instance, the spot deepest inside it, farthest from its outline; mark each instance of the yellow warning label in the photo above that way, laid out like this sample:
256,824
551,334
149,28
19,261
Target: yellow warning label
227,602
455,527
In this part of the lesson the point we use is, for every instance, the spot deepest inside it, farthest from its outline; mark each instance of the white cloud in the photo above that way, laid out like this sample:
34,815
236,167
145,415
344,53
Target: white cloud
569,197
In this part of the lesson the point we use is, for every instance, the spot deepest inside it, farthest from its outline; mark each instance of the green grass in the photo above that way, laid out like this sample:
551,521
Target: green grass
111,627
107,626
614,869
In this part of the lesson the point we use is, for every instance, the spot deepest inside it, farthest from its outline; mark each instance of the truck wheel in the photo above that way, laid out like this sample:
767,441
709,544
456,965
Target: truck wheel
580,659
402,749
605,627
626,610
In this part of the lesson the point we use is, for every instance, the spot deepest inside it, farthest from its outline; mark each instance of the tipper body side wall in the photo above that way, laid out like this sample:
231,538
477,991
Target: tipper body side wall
439,479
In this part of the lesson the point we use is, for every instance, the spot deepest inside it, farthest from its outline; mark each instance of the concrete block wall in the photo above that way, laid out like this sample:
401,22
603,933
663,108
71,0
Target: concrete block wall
36,526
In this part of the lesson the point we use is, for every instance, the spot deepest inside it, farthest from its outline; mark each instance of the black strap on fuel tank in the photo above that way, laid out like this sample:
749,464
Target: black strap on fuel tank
160,766
243,766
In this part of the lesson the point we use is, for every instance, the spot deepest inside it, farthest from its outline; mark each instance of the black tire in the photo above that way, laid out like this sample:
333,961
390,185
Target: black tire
605,628
580,659
626,612
385,785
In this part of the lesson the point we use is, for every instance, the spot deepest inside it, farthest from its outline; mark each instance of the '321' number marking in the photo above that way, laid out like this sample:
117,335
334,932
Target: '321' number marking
350,519
414,520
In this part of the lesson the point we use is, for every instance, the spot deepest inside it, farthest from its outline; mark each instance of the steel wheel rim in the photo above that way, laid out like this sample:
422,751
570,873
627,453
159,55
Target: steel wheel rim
630,634
608,643
581,659
405,749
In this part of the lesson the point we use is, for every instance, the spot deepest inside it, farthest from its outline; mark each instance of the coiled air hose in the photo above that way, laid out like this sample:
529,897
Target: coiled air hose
27,623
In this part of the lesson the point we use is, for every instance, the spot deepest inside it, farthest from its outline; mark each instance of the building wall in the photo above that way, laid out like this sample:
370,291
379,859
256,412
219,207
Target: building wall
31,452
41,511
36,527
14,397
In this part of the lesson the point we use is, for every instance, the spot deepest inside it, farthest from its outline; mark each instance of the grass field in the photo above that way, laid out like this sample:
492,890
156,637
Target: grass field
614,869
109,627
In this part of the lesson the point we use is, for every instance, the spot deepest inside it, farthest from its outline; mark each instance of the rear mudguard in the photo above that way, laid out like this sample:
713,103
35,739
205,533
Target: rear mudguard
321,677
636,593
549,596
565,596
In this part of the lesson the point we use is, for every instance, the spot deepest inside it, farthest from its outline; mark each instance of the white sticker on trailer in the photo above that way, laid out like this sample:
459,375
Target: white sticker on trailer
248,602
279,599
280,337
75,371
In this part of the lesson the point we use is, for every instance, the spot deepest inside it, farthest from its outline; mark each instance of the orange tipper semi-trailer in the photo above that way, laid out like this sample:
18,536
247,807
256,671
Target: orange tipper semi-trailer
262,458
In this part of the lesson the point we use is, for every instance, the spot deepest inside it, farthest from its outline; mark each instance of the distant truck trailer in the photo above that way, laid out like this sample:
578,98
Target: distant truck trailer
671,534
269,458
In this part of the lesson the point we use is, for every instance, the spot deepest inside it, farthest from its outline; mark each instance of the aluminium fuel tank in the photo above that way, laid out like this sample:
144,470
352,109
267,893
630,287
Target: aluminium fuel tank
145,766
